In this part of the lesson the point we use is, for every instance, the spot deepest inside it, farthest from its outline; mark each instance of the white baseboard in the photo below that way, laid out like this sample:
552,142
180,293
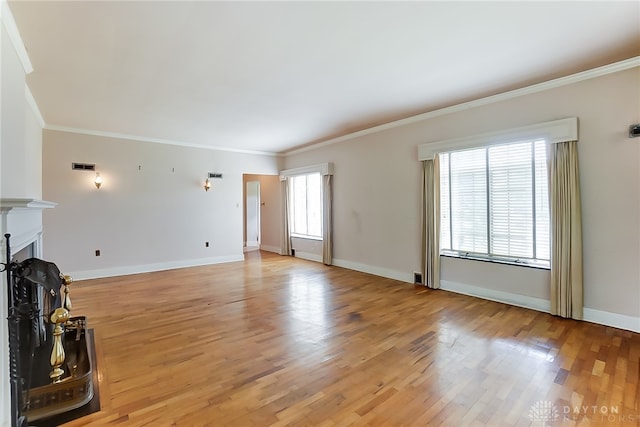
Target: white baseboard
275,249
525,301
309,256
146,268
615,320
620,321
252,243
606,318
377,271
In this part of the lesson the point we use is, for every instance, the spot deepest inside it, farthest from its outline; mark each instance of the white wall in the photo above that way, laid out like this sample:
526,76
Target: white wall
151,213
32,151
5,391
20,169
306,248
377,194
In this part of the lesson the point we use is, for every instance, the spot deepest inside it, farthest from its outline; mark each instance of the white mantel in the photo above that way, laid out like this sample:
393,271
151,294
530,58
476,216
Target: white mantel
22,218
9,204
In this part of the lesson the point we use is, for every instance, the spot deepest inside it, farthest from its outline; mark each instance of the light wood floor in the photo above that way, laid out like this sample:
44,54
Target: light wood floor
280,341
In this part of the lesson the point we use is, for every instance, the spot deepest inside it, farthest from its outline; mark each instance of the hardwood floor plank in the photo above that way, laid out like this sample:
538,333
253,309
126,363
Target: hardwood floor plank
284,342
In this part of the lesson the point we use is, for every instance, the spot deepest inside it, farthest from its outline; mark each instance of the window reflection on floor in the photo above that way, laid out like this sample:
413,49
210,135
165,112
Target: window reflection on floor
307,310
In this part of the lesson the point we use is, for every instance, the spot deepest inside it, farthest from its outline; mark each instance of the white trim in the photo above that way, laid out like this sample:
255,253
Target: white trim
155,140
375,270
616,320
19,203
540,87
252,243
524,301
322,169
31,102
309,256
14,35
147,268
268,248
23,239
553,132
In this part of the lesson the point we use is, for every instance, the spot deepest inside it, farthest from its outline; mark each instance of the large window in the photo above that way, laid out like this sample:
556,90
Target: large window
494,203
306,205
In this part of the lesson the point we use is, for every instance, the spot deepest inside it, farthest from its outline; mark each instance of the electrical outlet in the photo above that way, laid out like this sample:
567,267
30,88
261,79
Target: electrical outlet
206,244
97,252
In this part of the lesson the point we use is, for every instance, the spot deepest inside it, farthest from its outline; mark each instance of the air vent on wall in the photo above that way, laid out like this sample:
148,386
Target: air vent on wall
215,175
83,166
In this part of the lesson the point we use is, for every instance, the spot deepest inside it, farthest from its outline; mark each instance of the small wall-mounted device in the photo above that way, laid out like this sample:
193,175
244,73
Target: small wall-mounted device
634,131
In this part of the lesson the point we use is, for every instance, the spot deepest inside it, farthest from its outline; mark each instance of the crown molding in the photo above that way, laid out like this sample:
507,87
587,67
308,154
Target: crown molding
551,84
155,140
14,35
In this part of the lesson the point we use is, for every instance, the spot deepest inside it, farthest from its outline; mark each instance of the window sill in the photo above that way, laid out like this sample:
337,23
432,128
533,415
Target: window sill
302,236
517,263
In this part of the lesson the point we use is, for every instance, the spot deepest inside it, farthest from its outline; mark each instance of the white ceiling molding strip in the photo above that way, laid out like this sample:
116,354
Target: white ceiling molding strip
322,169
31,102
551,84
14,35
553,132
155,140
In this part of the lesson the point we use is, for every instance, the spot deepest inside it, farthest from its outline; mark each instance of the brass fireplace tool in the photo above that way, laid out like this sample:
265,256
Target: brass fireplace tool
66,281
59,316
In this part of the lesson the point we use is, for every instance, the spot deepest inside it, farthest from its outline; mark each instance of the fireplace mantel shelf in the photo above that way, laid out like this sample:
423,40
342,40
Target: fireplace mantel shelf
22,219
9,204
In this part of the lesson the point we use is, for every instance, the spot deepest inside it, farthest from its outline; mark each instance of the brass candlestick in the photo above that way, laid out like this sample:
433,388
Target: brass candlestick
59,316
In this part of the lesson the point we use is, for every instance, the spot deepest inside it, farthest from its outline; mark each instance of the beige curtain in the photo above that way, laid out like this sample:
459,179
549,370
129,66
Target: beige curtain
431,222
566,230
327,196
285,243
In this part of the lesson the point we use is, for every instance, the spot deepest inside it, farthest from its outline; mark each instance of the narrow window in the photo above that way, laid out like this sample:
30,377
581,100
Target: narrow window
306,205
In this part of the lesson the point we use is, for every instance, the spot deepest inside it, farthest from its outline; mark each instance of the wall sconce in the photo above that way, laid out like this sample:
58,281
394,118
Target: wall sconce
98,180
207,185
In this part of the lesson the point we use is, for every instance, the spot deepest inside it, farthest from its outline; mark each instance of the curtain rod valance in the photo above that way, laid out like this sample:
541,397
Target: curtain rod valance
322,169
554,132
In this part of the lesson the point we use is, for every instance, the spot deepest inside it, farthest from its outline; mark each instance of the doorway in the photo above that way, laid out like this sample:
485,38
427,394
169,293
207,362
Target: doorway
252,215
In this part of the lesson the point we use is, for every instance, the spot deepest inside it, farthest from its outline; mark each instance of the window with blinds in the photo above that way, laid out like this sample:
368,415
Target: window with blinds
494,203
306,205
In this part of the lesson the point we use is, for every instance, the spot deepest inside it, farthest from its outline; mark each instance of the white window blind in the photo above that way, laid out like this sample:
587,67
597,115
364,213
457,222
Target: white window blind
306,205
494,202
469,200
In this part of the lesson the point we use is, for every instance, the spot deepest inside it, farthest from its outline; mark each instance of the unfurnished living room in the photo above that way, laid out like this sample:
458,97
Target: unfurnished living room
319,213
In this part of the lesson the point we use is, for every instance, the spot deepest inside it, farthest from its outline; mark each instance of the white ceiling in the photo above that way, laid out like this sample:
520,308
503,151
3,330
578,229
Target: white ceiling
271,76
